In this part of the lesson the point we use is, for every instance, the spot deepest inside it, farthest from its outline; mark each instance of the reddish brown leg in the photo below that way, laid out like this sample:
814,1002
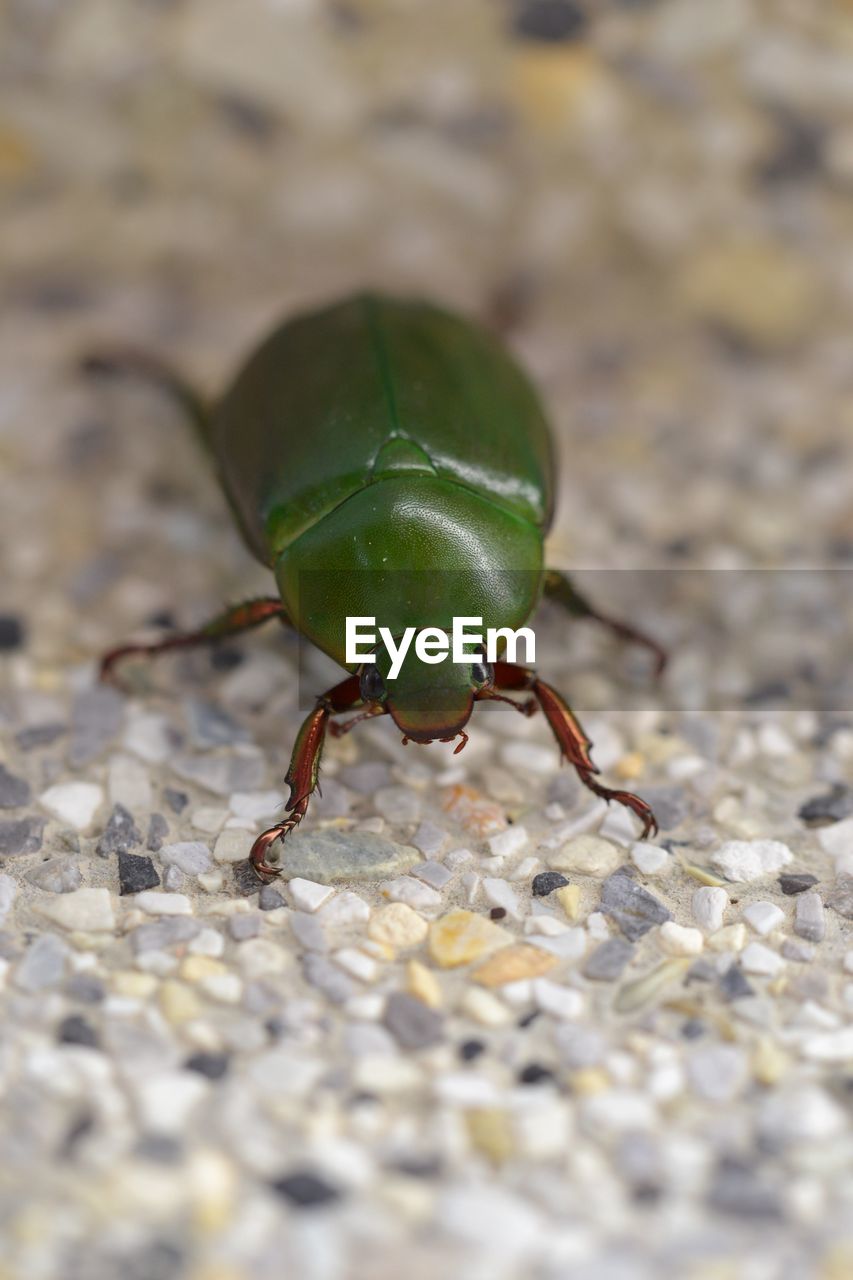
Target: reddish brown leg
240,617
305,767
561,589
574,744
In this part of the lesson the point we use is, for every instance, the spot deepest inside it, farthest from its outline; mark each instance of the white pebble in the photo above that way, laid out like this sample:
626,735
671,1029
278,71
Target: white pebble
307,895
740,860
763,917
346,908
500,894
587,855
129,783
848,962
836,839
89,910
208,820
619,824
597,926
232,846
154,903
8,889
357,964
709,905
73,802
508,842
415,894
525,869
835,1046
529,757
546,925
560,1002
758,959
649,858
679,940
209,942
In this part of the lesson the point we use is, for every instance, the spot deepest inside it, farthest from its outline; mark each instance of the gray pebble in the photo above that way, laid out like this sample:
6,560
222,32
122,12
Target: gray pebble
331,856
608,960
161,934
222,774
320,972
738,1189
39,735
85,987
190,856
799,952
176,800
43,965
734,984
173,879
20,836
210,726
579,1047
809,920
245,925
796,882
120,832
429,838
435,874
335,802
96,718
412,1023
14,791
832,806
840,898
269,898
308,931
670,805
398,804
633,908
158,829
56,875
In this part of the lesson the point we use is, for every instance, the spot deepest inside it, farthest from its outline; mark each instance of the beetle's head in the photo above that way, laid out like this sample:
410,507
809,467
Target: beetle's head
428,702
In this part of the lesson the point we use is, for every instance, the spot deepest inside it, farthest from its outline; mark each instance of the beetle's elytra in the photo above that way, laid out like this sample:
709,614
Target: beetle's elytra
385,457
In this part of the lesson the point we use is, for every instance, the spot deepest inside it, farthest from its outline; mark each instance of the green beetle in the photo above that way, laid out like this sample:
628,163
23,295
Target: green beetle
387,458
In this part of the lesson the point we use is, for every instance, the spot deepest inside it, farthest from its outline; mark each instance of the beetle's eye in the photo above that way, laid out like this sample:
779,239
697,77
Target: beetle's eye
482,673
372,685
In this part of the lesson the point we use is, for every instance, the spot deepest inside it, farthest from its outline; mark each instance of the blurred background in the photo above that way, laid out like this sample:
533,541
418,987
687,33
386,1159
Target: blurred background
652,198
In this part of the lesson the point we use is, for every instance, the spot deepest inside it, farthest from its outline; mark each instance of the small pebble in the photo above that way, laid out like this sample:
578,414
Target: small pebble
190,856
412,1023
398,926
120,833
546,882
84,910
649,858
796,882
462,936
763,917
831,806
507,843
836,840
12,632
305,1190
632,907
586,855
307,895
743,860
136,872
608,960
709,906
158,829
269,898
20,836
14,791
56,875
512,964
502,896
330,856
758,959
435,874
809,917
679,940
163,904
43,964
73,802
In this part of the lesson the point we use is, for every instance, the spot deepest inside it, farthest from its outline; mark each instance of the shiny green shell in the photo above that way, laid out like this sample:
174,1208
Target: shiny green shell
388,458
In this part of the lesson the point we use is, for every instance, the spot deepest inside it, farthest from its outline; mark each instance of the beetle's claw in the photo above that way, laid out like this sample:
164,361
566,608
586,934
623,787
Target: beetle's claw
258,856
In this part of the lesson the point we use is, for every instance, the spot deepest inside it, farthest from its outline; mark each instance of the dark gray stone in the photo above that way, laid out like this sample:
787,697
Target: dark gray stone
136,872
14,791
76,1030
39,735
831,806
20,836
269,898
120,833
412,1023
608,960
96,718
546,882
796,882
305,1190
176,800
632,907
738,1189
734,984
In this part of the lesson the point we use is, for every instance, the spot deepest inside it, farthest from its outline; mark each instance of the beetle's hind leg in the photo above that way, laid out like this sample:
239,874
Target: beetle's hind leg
574,744
560,588
238,618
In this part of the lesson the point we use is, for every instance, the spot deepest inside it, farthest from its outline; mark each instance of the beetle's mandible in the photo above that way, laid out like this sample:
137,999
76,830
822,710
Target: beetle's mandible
385,457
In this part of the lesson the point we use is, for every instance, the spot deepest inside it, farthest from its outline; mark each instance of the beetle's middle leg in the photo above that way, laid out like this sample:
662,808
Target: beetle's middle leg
239,617
560,588
305,766
574,744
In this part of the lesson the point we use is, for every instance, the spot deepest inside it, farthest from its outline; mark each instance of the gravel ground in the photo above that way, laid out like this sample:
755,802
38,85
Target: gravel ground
481,1028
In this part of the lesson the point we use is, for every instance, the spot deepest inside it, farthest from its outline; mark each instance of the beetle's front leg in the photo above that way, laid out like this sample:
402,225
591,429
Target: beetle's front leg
305,768
574,744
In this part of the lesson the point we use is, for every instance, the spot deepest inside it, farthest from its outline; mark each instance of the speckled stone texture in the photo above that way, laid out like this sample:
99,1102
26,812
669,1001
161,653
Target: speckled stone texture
523,1053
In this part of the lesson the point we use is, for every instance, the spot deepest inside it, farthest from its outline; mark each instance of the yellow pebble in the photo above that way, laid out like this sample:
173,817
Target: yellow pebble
179,1002
194,968
631,766
552,83
570,900
484,1008
490,1133
127,982
462,936
769,1063
511,964
422,983
398,926
589,1080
